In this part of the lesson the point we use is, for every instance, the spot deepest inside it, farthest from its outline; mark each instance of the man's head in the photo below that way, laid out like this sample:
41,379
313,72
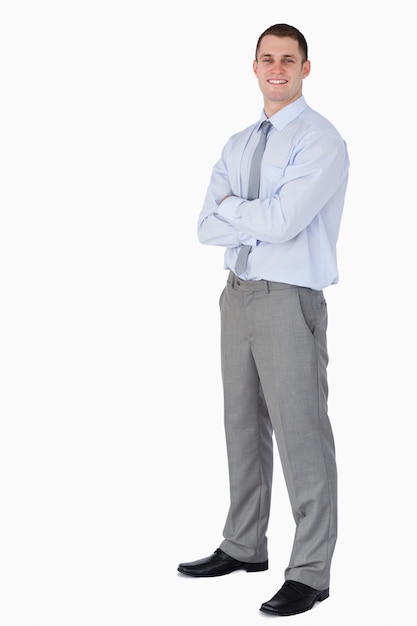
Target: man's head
280,65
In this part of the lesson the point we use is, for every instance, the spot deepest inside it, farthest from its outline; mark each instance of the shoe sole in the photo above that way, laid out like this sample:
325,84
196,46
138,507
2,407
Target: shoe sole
248,567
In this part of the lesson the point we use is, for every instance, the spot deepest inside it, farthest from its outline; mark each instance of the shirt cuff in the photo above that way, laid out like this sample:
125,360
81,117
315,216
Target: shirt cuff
228,209
248,240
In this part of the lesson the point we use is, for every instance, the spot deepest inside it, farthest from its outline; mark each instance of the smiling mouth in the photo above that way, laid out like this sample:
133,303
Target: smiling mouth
277,81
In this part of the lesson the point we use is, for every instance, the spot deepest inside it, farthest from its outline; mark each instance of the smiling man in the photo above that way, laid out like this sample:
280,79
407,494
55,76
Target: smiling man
274,203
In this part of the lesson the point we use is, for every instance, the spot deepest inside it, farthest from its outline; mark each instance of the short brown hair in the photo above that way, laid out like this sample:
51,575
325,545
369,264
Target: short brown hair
285,30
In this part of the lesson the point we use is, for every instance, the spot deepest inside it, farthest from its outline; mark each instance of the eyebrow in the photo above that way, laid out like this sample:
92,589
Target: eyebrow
283,56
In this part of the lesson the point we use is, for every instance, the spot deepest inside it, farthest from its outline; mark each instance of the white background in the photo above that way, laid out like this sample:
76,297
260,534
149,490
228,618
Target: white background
112,458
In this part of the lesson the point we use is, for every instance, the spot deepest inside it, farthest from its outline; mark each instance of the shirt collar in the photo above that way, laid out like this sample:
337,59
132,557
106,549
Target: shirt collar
286,115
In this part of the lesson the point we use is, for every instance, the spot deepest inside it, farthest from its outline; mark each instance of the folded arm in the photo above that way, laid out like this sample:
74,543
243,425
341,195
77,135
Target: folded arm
300,192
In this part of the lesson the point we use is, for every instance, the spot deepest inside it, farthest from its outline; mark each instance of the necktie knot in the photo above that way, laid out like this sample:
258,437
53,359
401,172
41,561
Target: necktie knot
265,126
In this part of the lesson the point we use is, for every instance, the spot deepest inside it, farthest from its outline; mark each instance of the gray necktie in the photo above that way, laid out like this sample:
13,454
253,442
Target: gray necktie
253,190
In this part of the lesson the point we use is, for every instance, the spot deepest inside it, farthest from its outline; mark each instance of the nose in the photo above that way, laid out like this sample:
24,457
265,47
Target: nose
278,67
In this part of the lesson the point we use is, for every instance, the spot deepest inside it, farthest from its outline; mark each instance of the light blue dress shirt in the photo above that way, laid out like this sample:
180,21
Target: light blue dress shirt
294,225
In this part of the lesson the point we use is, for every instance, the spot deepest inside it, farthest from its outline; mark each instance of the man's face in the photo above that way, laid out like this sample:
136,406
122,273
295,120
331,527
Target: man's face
280,72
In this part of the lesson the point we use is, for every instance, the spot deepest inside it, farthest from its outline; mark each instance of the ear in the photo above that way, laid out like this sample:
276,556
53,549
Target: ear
306,69
255,67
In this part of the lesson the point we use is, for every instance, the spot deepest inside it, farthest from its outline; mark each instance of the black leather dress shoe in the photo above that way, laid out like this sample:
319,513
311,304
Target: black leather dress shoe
293,598
218,564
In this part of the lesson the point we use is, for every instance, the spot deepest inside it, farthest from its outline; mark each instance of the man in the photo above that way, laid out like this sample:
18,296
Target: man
280,250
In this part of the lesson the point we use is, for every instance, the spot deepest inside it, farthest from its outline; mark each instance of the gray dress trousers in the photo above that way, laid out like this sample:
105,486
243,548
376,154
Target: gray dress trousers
274,362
